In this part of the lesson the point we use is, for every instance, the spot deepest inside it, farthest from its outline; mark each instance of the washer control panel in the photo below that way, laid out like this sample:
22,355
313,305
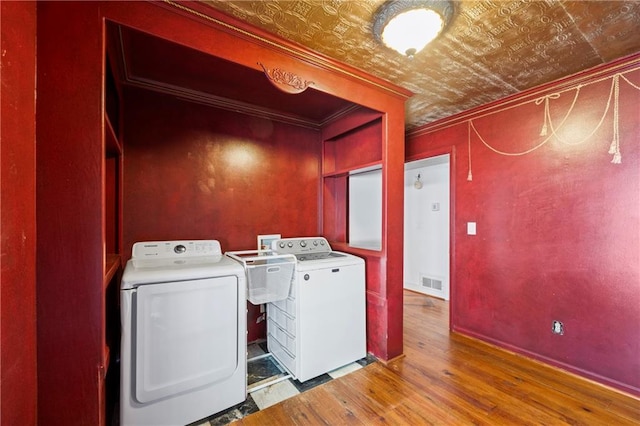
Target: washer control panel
169,249
304,245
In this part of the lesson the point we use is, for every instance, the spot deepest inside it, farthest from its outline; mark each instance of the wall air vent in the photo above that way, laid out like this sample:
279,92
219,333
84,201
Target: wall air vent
432,283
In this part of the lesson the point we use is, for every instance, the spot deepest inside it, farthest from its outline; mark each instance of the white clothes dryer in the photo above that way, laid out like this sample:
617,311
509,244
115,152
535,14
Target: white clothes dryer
183,347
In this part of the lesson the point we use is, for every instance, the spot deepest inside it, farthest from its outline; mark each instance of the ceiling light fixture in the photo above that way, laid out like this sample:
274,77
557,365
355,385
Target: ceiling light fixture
407,26
417,184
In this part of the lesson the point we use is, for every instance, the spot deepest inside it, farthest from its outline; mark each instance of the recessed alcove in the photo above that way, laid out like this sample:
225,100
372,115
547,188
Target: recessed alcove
188,138
213,149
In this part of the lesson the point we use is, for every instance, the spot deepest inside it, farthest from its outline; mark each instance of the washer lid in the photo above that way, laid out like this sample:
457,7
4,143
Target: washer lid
338,259
318,256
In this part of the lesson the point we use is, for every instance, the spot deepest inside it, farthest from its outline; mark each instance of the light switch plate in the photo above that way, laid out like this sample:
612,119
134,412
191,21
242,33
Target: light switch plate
471,228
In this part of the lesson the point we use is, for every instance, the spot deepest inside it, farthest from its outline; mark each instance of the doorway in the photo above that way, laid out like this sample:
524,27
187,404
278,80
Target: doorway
427,226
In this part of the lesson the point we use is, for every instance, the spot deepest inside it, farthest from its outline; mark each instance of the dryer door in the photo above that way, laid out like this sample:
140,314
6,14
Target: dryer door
187,336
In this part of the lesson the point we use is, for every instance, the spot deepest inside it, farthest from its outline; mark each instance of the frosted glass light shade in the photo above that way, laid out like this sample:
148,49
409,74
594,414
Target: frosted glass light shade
407,26
410,31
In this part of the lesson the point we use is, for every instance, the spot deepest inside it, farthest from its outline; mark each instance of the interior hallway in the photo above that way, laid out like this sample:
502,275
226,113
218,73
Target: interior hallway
452,380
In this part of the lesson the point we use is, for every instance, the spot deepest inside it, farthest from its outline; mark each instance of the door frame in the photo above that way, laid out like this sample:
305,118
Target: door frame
451,150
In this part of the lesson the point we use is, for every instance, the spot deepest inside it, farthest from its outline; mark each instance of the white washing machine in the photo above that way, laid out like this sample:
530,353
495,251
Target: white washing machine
183,348
321,326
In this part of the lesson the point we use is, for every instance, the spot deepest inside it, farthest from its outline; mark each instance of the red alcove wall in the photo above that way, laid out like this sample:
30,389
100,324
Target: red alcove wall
207,173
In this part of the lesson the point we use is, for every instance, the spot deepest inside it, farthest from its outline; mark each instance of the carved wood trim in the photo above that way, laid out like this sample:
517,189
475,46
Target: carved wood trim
286,81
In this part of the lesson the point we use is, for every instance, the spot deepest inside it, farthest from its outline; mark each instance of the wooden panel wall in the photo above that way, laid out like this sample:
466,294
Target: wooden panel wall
558,222
69,213
18,215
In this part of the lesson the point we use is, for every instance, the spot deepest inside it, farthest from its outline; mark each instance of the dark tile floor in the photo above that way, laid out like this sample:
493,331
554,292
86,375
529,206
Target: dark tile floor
262,370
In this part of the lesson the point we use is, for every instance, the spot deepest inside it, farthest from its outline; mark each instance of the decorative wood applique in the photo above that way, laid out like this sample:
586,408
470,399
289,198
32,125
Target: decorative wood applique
286,81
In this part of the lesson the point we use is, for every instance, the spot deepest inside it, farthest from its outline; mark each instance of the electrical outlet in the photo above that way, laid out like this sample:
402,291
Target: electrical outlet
557,327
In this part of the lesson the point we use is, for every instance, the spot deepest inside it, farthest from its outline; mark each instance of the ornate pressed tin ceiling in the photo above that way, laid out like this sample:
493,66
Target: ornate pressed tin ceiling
491,49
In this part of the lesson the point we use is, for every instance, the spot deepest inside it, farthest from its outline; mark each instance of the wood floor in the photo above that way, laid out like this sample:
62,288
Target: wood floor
449,379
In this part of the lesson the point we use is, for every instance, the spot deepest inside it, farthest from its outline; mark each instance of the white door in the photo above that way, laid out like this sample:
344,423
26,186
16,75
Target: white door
186,336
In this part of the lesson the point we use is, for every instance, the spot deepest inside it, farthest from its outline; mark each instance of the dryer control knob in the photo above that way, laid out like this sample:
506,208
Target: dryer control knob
282,244
179,249
289,244
303,243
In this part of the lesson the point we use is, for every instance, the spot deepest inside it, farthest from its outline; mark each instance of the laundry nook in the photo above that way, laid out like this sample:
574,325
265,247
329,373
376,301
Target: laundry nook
205,140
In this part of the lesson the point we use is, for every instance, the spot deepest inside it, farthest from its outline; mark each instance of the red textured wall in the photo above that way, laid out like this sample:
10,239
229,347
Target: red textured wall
17,213
195,172
69,213
558,228
354,149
